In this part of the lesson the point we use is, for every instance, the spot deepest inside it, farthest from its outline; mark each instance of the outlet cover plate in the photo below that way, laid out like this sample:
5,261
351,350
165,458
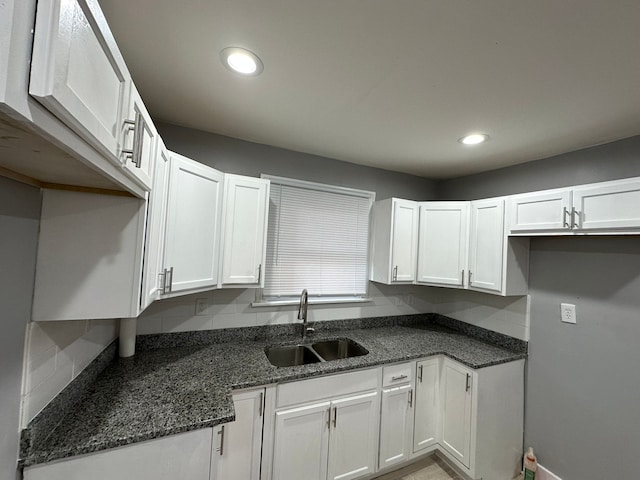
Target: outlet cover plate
568,312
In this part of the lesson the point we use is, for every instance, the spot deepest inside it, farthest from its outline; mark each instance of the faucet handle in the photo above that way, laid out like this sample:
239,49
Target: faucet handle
310,330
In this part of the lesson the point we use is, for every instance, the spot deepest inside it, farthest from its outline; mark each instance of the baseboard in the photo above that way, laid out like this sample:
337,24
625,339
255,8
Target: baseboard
545,474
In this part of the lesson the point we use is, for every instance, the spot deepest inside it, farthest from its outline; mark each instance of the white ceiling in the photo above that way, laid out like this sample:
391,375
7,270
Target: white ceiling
393,83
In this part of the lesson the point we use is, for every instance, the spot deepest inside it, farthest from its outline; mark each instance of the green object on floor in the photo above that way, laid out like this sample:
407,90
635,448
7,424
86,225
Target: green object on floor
529,475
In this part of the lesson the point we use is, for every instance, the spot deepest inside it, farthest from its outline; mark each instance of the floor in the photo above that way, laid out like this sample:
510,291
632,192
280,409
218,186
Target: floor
431,468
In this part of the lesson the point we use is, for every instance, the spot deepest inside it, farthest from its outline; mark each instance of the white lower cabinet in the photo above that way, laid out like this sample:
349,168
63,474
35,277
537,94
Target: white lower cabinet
328,440
181,456
482,419
238,445
426,404
396,424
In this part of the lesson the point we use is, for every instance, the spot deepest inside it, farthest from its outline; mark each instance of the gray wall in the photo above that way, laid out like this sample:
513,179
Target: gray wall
231,155
19,220
605,162
583,386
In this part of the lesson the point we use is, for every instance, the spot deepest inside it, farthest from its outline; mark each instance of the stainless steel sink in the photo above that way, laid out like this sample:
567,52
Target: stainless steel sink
290,355
337,349
323,351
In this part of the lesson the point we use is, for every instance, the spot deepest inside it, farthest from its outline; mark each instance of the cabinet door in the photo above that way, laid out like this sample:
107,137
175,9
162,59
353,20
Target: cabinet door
486,244
244,230
395,425
156,225
456,394
193,224
404,241
182,456
139,138
611,205
442,243
301,443
239,444
541,211
425,426
77,71
353,437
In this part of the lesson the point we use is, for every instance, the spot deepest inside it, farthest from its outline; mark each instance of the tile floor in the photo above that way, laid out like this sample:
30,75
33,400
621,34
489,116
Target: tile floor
431,468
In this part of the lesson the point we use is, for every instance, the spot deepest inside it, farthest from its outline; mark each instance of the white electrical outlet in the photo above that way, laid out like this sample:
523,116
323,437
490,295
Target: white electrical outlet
568,312
201,306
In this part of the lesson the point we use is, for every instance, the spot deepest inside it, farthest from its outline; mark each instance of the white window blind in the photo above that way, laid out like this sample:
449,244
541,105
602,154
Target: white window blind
317,239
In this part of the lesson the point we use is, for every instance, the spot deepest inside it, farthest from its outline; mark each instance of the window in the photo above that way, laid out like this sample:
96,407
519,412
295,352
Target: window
318,239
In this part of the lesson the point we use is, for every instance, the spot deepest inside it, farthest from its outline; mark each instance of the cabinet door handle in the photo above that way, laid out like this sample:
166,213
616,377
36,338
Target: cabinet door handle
410,397
398,377
462,282
135,153
395,273
170,280
259,273
162,282
565,212
221,447
469,278
335,416
574,214
261,404
329,418
420,373
468,386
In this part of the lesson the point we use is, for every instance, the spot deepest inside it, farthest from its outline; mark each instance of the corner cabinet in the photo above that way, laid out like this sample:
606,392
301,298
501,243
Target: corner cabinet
443,243
427,405
244,227
394,241
599,208
181,456
192,236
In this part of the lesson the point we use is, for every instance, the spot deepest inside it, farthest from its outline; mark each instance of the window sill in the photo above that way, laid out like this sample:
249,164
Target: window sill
312,301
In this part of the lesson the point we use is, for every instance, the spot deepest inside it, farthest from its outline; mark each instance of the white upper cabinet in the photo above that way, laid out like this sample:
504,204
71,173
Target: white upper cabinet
78,73
608,206
194,207
395,241
599,208
442,243
485,244
139,138
156,229
89,261
540,211
244,226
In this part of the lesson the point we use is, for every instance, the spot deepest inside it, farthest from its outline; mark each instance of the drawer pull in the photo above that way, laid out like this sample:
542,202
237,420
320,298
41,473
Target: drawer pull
398,377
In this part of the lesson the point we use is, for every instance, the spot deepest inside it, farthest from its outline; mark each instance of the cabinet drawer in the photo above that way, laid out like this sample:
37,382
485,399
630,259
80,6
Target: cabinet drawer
315,389
397,374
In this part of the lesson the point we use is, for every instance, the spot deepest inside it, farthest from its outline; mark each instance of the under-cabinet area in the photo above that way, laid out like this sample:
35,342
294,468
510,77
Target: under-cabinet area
337,419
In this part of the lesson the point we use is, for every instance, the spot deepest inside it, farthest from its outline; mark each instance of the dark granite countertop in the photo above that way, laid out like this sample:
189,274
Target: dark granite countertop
171,390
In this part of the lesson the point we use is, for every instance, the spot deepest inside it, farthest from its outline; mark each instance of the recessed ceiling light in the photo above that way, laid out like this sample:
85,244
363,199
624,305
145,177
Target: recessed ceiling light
241,60
474,139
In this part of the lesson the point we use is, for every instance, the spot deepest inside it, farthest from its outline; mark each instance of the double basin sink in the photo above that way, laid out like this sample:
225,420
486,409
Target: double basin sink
322,351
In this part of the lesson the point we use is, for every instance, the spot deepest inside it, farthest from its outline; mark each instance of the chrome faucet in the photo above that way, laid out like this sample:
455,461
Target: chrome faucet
302,313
